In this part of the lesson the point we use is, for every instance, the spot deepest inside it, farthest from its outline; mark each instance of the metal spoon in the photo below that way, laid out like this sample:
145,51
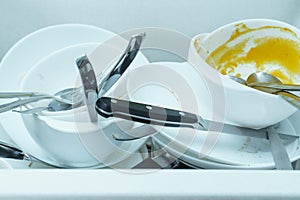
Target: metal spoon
259,81
263,77
279,153
237,79
270,81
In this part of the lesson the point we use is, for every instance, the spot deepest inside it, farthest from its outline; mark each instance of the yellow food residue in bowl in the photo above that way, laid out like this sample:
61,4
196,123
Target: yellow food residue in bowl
246,51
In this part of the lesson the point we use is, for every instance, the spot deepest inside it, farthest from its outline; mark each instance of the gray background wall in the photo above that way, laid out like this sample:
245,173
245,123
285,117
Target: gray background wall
20,17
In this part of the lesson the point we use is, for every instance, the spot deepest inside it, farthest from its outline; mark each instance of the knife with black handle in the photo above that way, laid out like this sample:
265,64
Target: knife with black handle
155,115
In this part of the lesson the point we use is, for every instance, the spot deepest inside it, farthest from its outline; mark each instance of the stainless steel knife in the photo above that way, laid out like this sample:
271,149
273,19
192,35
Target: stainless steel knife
155,115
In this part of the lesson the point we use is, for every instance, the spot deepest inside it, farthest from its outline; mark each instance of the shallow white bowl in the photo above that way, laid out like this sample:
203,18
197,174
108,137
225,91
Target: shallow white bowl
60,138
22,56
244,106
56,72
68,136
18,62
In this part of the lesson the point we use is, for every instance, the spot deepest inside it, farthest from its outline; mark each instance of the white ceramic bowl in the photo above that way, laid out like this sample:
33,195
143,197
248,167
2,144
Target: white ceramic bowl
56,72
26,53
69,137
58,138
244,106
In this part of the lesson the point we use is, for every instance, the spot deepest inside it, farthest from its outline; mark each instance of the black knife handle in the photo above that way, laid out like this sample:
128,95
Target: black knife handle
144,113
7,151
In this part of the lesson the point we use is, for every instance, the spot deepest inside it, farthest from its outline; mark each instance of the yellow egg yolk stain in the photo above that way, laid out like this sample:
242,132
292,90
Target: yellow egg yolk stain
281,52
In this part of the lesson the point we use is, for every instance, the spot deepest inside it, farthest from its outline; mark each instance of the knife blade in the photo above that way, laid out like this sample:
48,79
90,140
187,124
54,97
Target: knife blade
155,115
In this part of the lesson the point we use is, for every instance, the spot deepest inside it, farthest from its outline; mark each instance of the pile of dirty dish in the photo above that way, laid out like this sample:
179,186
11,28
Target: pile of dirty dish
212,111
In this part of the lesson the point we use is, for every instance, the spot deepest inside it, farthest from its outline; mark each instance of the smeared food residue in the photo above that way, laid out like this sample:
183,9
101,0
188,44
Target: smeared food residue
272,49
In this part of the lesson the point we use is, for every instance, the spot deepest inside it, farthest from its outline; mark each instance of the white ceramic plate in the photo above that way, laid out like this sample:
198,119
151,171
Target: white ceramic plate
28,51
193,160
228,150
128,163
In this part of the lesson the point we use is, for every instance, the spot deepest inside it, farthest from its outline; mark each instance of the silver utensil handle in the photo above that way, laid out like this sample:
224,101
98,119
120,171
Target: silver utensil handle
291,98
277,86
9,106
17,94
280,156
112,75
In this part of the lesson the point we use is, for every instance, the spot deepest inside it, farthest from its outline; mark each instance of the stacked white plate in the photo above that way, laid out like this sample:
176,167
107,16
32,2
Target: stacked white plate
221,151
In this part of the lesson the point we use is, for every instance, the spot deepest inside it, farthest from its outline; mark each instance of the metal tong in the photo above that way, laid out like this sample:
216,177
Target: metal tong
91,89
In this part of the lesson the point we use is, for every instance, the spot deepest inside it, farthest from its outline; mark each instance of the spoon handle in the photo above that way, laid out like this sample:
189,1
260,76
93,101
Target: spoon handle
132,49
278,86
291,98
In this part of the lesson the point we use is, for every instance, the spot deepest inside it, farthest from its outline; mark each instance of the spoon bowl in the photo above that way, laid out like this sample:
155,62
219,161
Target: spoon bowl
262,77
